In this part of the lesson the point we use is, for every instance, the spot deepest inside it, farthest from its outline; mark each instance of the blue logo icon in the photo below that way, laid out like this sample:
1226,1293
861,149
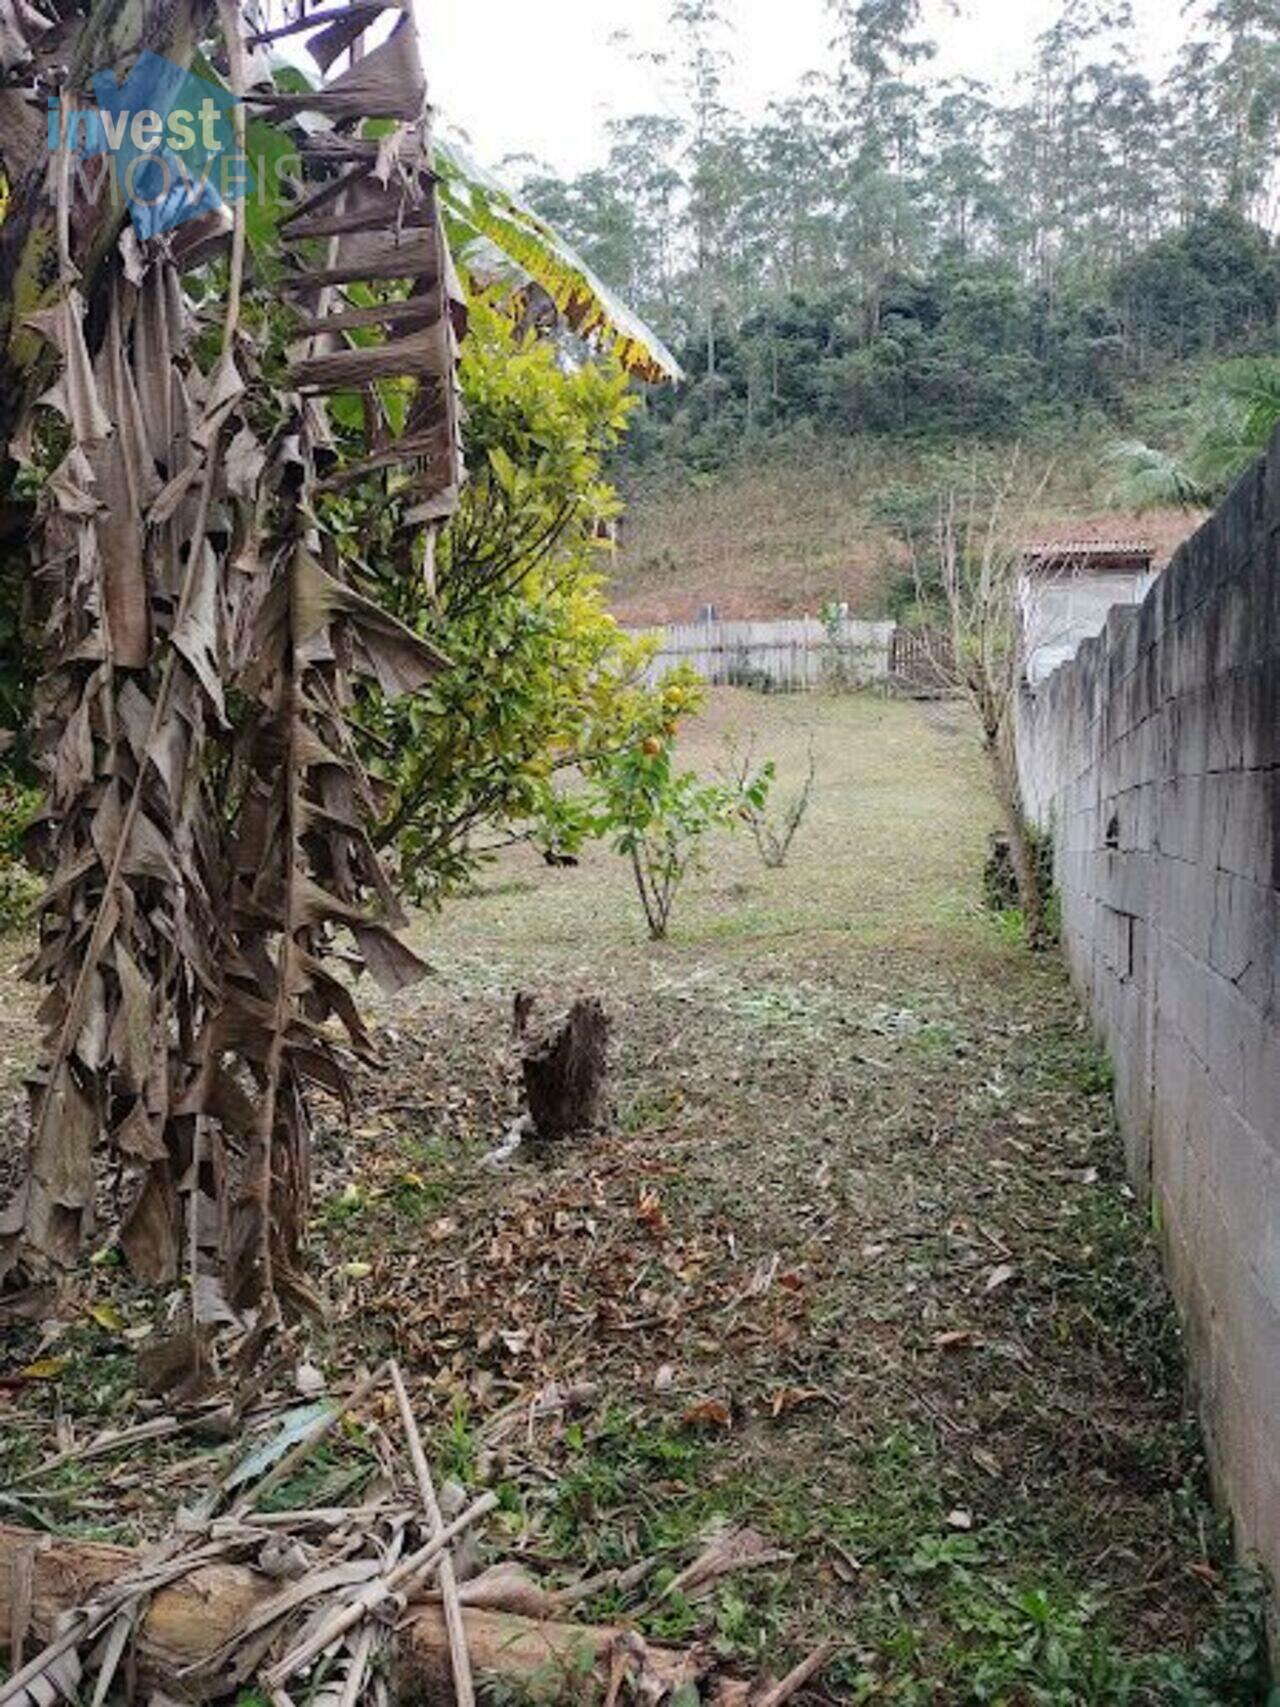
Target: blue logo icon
170,136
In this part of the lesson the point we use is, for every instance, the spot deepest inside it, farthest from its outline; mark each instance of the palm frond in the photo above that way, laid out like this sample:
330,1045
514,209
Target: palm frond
1147,478
1254,389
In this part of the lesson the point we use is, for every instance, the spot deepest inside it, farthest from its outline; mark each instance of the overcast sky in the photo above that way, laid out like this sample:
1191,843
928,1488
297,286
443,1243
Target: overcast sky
544,80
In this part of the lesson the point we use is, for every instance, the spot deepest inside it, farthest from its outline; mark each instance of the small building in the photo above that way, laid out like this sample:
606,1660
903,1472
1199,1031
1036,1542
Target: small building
1069,585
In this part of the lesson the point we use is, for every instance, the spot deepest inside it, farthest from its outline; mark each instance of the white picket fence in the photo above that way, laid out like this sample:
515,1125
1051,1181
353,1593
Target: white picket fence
791,655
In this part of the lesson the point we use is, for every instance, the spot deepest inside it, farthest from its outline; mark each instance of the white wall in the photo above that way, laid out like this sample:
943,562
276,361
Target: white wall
1063,611
793,654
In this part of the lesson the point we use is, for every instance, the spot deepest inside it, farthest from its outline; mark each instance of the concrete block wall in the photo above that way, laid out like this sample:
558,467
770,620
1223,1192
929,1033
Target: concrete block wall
1154,757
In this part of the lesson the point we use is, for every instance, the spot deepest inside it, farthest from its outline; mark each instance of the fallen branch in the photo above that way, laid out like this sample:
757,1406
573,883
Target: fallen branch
159,1428
731,1550
797,1678
463,1687
619,1579
313,1517
187,1622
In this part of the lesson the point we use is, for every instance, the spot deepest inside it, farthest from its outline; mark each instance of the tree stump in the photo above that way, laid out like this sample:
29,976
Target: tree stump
565,1068
999,879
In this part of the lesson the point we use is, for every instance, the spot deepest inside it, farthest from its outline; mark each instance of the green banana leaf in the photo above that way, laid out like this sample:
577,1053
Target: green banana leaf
494,232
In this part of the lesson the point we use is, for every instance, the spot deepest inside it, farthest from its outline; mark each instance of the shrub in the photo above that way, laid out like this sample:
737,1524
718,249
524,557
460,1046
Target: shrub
659,818
19,886
773,828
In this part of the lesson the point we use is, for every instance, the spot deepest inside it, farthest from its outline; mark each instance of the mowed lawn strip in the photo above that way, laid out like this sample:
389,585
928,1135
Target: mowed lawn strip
857,1264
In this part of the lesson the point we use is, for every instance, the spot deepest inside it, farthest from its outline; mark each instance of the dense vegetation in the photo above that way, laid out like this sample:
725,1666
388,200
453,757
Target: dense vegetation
889,251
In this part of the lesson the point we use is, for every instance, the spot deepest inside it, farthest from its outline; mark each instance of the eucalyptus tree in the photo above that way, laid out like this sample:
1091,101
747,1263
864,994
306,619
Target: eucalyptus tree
701,31
969,206
595,214
1057,138
879,136
1125,162
643,162
1227,81
797,205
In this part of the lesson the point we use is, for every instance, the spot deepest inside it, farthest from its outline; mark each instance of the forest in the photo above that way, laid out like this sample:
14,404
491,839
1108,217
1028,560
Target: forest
890,250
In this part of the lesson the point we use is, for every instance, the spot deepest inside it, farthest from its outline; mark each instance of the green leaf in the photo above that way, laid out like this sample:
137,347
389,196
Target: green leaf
269,149
294,1425
499,237
503,468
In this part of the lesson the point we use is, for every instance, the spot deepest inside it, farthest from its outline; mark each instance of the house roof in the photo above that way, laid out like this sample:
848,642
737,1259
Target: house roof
1099,553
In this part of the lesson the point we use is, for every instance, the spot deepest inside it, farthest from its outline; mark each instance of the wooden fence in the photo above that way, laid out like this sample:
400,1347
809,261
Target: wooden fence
919,662
791,655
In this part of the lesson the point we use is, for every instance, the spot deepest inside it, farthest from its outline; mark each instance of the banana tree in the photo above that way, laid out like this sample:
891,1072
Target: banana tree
206,829
497,235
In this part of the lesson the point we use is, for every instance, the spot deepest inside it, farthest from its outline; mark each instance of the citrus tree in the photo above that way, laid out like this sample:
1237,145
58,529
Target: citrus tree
658,816
542,681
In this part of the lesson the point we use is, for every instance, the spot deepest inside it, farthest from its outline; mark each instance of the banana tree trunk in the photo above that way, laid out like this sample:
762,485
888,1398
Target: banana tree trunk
191,1620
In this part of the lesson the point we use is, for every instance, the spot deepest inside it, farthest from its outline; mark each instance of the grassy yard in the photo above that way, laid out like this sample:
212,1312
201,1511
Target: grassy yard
854,1265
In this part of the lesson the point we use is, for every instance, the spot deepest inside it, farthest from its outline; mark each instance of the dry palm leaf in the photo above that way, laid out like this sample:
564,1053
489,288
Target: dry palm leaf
206,824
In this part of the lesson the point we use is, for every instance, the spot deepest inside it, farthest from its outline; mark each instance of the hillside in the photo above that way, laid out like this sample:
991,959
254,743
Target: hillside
886,265
783,535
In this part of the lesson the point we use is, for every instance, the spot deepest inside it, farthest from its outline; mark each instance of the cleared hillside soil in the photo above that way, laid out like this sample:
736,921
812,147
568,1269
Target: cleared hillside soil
854,1263
785,536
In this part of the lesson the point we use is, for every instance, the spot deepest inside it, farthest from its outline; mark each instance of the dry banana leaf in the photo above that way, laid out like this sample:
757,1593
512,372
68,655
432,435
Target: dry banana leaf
206,830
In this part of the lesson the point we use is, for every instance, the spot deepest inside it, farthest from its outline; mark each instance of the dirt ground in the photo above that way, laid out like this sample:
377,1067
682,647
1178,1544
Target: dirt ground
854,1264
